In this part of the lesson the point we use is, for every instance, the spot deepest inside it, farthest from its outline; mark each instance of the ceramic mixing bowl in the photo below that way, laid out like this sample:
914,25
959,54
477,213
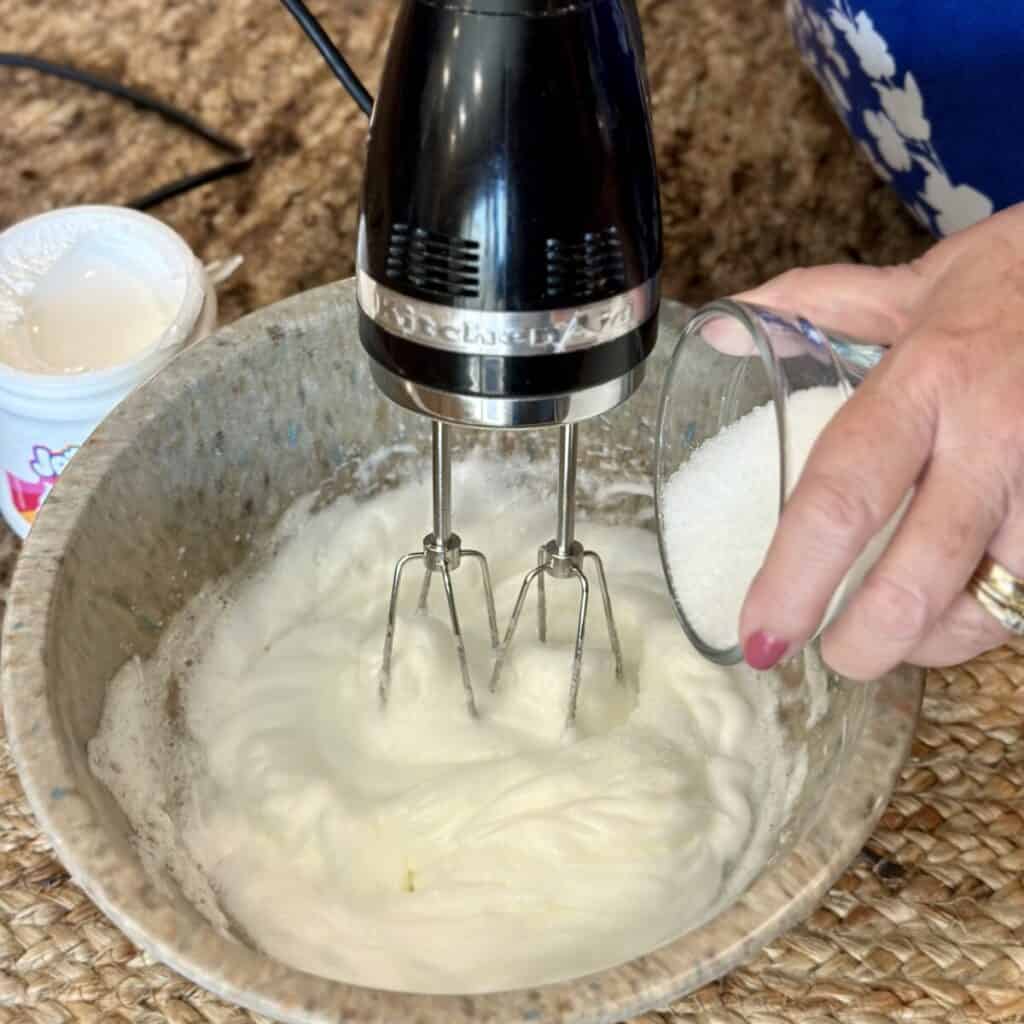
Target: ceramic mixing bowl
179,486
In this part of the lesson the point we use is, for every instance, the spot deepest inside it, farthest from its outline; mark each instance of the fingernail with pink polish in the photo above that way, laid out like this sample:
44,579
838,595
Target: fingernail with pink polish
763,651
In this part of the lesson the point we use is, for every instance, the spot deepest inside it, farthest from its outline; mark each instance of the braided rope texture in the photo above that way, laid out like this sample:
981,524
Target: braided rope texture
927,925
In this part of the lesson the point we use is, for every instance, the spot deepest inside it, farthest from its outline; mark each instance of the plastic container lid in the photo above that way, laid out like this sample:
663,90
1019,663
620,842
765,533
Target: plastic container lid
129,258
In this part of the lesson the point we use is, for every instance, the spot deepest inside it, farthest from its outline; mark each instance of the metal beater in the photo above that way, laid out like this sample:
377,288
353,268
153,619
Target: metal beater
508,270
562,559
442,554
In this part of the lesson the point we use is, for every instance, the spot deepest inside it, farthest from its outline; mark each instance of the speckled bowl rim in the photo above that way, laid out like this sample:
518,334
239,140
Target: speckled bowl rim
782,896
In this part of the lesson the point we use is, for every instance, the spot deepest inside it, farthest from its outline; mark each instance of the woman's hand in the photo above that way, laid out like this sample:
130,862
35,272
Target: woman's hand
943,412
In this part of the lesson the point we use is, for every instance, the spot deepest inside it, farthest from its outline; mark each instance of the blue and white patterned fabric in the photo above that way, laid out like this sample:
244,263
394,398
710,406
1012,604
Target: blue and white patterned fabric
933,92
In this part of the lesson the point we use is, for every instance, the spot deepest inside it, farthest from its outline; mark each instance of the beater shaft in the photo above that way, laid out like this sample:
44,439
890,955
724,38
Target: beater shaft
564,558
568,450
442,553
442,480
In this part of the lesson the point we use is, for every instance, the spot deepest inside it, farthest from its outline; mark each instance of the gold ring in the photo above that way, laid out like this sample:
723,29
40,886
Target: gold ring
1000,593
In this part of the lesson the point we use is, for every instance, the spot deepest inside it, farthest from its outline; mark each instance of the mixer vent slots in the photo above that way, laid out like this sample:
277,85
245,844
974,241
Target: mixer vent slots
590,269
435,264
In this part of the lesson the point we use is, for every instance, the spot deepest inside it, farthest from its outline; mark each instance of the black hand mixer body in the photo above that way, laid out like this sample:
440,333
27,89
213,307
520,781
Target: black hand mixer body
510,239
508,271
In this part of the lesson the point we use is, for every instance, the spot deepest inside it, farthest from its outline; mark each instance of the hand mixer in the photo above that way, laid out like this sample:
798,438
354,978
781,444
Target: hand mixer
508,269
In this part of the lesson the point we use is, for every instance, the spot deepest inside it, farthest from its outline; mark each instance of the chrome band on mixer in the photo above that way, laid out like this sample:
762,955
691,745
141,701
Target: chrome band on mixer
507,334
508,413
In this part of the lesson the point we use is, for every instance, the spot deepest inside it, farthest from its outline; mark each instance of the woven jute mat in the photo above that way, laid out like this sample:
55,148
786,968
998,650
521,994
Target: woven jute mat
926,925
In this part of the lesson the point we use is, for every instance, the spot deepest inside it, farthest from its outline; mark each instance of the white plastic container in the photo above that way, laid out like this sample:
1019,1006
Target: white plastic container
94,300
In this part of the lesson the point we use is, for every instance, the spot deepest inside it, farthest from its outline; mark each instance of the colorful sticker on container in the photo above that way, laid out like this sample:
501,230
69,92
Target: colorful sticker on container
28,495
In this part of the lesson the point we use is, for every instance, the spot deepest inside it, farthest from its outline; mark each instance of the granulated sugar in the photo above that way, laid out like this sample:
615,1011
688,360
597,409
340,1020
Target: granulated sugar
721,508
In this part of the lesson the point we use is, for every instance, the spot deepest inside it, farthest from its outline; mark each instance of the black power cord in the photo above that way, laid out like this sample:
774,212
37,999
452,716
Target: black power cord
331,54
240,159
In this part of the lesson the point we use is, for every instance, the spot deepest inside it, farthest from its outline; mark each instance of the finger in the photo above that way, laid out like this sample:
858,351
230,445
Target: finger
874,304
961,634
845,495
967,629
927,565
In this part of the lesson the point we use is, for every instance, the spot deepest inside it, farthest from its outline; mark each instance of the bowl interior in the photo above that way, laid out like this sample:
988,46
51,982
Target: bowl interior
186,481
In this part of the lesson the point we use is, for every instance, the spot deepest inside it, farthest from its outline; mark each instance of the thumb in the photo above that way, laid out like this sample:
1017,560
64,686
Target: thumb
873,304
